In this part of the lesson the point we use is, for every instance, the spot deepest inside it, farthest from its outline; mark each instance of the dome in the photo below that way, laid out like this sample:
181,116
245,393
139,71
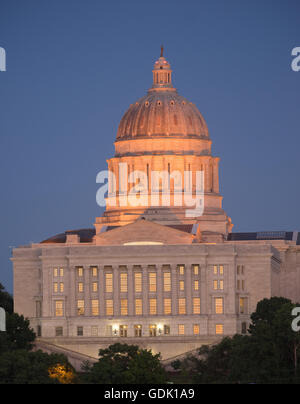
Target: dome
162,112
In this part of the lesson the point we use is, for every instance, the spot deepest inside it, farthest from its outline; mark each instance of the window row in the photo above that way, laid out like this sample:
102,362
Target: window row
138,307
152,330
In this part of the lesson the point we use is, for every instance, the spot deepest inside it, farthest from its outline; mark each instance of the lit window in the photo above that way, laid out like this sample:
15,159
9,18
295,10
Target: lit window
181,285
219,307
152,282
167,307
196,269
221,284
109,307
152,307
138,330
94,271
80,307
181,269
55,272
196,305
109,283
95,286
181,329
196,285
181,306
167,282
55,287
123,331
124,307
215,283
61,287
219,270
243,305
215,269
59,308
219,329
80,271
124,283
196,329
138,282
218,284
80,287
138,307
95,307
61,272
152,330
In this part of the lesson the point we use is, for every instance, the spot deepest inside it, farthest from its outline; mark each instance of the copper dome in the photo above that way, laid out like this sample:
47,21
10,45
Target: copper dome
162,112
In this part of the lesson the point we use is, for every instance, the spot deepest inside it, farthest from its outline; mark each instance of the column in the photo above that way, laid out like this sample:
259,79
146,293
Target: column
174,288
159,291
116,291
130,294
145,291
216,175
188,289
87,294
101,292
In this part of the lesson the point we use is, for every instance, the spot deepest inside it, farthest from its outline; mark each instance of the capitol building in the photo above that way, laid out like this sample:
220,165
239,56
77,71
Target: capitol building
153,271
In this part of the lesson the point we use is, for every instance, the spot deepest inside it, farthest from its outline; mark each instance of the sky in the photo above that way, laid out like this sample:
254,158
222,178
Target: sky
73,67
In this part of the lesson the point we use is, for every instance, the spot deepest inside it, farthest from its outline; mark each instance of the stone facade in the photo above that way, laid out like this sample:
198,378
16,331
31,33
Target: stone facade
149,275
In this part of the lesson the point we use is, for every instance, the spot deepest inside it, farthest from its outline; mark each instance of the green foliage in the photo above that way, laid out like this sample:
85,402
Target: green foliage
269,354
23,367
125,364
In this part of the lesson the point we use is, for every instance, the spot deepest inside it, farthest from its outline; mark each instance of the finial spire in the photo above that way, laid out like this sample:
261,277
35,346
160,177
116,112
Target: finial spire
161,51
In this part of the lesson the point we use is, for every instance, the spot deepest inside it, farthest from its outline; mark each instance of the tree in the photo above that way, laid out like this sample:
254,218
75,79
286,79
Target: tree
126,364
23,367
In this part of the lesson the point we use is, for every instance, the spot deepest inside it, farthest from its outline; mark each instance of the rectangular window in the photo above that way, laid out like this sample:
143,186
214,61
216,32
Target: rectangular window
138,330
95,286
167,281
80,307
215,269
138,307
61,287
196,305
152,282
94,271
219,270
219,306
95,307
167,330
152,307
123,331
109,283
181,285
138,282
59,308
59,331
181,306
55,287
80,287
152,330
181,329
94,331
123,283
79,331
109,307
196,329
221,284
167,307
181,269
218,284
124,307
243,305
55,272
219,329
196,269
80,271
196,285
61,272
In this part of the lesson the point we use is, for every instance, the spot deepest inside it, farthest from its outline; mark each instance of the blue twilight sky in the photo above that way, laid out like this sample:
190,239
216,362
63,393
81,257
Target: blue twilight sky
75,66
